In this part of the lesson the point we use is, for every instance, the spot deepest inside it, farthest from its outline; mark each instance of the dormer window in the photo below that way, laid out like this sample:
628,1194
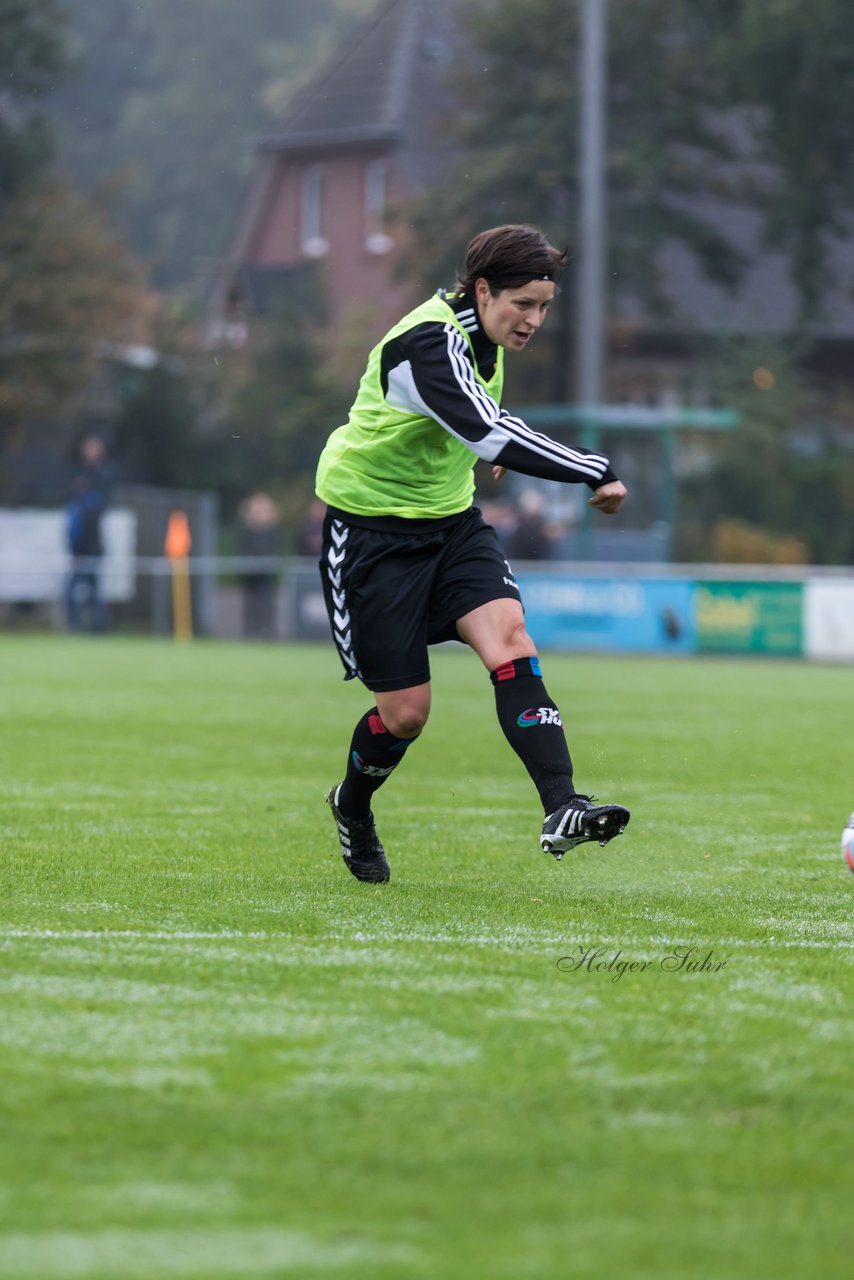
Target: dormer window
312,240
377,239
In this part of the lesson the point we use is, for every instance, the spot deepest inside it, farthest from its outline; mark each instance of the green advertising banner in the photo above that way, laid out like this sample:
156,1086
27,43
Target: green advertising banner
750,617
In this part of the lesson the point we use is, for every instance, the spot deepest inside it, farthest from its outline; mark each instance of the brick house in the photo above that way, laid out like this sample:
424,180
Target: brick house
365,134
326,185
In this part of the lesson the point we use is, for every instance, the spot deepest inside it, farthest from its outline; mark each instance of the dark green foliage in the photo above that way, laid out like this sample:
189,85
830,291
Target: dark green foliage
176,96
64,280
33,55
517,135
787,469
281,408
230,420
793,66
517,141
156,436
707,99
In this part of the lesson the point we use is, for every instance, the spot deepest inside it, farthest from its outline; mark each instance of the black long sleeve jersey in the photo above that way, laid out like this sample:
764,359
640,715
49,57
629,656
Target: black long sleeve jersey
428,401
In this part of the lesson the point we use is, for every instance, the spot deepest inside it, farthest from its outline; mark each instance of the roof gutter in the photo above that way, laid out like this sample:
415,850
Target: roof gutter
327,139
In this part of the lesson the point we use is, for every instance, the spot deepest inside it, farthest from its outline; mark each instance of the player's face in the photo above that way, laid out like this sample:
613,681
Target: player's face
511,316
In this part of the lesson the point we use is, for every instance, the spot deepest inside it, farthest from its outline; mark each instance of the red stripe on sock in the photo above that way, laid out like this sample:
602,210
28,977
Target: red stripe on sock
507,672
376,725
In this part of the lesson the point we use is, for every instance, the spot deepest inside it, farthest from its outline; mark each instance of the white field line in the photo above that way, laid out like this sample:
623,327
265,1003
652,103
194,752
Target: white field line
576,933
206,1250
176,1198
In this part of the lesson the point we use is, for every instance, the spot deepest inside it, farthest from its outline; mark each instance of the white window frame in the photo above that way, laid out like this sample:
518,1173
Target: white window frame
313,242
377,240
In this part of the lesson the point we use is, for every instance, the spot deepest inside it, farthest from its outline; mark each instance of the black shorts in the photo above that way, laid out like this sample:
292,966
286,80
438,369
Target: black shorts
390,594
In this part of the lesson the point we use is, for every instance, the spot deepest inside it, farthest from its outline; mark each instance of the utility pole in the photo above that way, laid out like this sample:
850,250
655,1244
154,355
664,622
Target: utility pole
592,233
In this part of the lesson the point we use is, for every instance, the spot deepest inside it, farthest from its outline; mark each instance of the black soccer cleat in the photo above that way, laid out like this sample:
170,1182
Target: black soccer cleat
360,844
579,820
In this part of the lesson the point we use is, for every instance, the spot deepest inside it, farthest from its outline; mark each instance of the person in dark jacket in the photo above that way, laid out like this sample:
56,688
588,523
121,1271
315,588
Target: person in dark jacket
90,494
534,535
83,603
259,541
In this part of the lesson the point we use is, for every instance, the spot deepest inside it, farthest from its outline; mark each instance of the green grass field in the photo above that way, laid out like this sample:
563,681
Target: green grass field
223,1057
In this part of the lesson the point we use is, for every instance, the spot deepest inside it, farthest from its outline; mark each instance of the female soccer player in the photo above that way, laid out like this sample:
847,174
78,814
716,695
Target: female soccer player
407,561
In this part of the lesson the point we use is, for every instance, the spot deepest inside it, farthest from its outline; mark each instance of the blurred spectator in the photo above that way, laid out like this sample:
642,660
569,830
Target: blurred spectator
90,495
95,466
308,540
499,513
534,536
259,538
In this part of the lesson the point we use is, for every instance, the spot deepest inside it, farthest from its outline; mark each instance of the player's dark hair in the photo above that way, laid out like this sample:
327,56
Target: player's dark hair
509,256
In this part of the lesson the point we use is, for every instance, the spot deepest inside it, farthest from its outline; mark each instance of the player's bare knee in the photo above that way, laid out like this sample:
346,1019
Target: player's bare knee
405,711
407,722
519,643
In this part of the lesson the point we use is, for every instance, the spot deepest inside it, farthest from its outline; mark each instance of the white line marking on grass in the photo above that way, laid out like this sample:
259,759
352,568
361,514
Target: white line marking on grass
645,1119
314,1082
208,1251
518,936
176,935
175,1199
145,1078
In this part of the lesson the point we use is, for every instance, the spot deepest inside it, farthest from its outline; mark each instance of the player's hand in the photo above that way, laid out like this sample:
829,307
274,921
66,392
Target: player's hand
608,498
498,472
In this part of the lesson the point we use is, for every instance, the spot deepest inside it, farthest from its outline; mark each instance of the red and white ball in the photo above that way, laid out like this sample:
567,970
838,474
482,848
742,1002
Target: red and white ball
848,843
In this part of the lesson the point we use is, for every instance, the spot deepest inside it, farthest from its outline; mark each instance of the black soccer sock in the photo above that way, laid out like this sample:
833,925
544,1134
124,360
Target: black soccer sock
532,725
374,754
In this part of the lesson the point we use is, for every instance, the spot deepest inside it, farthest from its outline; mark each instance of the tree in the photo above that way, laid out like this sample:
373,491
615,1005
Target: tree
280,407
785,477
33,53
176,96
157,439
708,99
516,129
237,420
792,67
65,281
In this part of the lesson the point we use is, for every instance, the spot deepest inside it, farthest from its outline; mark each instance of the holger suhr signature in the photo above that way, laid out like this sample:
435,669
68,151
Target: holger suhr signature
682,959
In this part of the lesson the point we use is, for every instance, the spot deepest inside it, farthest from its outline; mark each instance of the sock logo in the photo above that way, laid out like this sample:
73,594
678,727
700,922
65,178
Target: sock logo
539,715
371,770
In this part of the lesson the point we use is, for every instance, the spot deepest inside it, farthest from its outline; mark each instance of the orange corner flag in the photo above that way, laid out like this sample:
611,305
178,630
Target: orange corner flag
178,540
177,548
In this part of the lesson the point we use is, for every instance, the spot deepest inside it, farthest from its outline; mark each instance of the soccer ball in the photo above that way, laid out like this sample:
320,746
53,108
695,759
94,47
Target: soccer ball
848,843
